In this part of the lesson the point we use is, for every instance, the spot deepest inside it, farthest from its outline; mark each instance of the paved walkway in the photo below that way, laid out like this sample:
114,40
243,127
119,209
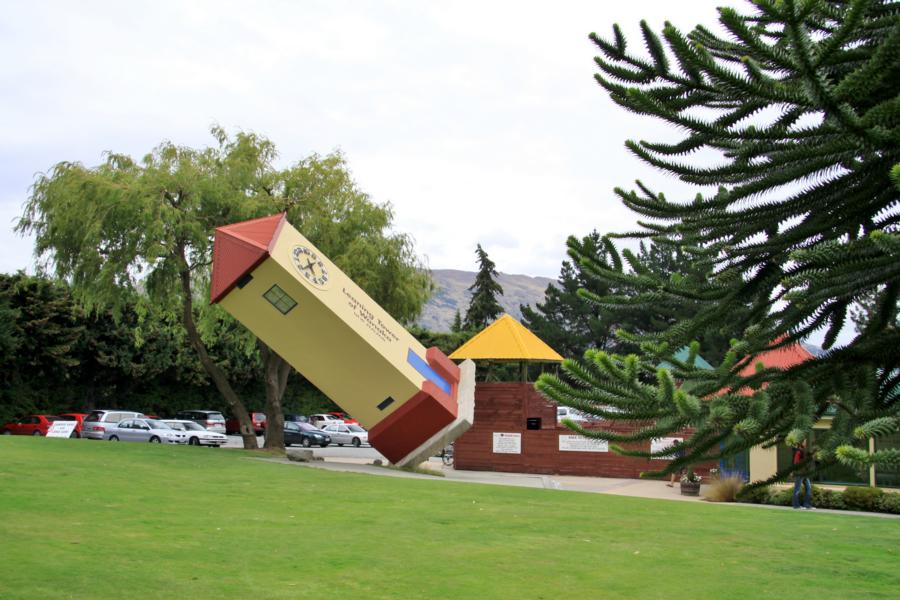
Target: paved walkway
637,488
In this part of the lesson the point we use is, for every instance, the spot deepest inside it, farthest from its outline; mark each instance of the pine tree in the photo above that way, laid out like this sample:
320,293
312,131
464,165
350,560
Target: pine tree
800,102
483,306
457,324
571,326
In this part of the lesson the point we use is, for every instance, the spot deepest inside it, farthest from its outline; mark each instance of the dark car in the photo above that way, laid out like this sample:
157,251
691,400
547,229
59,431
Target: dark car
296,418
30,425
304,434
258,419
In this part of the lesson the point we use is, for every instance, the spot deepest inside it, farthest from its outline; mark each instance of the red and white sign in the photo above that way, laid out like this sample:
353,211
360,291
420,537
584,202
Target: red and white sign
61,429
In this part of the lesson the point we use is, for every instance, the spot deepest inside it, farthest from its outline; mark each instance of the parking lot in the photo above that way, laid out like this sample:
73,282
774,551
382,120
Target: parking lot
332,451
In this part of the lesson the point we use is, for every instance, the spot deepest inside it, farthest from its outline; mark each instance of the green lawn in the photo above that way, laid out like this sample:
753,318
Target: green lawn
96,519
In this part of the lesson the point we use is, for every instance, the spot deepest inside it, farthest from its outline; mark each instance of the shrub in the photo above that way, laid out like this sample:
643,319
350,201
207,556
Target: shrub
780,497
889,503
862,498
825,498
757,495
724,489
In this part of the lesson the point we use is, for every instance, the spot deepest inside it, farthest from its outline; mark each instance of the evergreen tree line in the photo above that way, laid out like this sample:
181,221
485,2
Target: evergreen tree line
56,356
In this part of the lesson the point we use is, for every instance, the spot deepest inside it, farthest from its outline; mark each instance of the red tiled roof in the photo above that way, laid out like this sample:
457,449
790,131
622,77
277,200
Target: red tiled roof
778,358
238,249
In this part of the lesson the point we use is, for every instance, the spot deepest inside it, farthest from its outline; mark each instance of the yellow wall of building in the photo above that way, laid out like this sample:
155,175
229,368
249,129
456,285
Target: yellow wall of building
336,336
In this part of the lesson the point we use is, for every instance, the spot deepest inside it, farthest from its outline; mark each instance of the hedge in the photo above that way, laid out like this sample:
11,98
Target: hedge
869,499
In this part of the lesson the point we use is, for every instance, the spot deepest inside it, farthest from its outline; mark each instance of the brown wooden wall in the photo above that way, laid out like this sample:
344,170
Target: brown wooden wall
504,407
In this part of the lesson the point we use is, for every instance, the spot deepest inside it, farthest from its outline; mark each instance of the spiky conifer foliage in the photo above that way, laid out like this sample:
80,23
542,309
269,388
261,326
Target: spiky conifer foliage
800,104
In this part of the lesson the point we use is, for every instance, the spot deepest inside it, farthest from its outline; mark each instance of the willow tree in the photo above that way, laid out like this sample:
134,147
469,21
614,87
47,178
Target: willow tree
147,226
799,104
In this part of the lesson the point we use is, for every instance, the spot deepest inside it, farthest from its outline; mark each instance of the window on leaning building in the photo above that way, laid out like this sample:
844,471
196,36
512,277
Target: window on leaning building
837,474
887,476
278,298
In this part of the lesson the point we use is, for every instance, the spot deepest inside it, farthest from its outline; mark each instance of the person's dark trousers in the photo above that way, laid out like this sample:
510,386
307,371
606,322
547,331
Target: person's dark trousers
807,500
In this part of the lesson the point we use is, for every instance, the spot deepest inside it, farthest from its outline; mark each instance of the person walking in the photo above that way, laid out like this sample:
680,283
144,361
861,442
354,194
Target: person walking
801,477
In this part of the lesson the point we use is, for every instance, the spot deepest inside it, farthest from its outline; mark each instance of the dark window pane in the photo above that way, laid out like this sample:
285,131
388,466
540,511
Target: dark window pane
279,299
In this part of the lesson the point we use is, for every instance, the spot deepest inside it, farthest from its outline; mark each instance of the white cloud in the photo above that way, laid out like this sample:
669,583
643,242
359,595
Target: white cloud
478,121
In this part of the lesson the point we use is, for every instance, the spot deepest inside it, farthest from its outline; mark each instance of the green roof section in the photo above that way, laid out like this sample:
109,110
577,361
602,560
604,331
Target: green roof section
682,355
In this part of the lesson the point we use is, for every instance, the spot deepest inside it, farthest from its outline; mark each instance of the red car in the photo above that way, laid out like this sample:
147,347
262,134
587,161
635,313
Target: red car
345,418
258,419
30,425
78,418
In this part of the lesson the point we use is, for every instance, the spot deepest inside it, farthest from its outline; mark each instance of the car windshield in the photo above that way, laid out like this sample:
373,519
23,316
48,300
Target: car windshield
62,418
94,416
176,425
356,429
214,416
306,427
191,426
157,425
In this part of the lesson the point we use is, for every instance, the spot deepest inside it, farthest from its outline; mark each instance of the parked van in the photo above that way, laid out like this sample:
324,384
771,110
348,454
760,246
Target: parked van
95,424
212,420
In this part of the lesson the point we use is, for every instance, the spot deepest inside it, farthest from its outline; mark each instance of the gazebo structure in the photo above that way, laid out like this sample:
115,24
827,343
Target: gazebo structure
507,340
515,429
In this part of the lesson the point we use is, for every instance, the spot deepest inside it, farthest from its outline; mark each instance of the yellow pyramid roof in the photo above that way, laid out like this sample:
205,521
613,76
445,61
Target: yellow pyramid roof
506,339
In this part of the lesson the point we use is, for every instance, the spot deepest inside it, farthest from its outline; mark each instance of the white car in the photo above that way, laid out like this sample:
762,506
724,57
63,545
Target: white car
322,419
342,433
144,430
567,412
196,434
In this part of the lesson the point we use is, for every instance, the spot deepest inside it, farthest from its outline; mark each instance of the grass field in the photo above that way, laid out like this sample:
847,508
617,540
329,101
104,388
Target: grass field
90,519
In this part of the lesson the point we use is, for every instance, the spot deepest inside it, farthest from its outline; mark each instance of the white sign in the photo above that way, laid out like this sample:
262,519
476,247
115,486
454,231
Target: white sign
507,443
579,443
61,429
660,444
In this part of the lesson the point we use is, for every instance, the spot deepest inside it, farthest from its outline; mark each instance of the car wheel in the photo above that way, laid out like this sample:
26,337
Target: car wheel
7,432
36,433
154,440
306,443
324,445
113,438
356,442
340,445
193,442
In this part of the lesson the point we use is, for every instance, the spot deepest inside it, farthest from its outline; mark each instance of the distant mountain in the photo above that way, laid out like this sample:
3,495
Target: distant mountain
452,293
813,349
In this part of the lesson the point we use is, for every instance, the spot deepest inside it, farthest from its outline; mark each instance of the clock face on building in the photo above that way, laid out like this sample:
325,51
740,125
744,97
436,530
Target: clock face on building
310,266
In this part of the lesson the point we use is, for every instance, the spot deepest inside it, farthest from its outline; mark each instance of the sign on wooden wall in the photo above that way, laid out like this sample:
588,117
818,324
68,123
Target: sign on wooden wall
660,444
507,443
579,443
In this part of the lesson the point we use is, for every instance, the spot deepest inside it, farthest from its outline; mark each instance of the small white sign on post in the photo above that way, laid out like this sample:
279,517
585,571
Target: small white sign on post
579,443
507,443
61,429
660,444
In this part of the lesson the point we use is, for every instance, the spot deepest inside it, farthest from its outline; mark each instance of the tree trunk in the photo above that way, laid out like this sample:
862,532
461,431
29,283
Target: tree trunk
277,370
216,374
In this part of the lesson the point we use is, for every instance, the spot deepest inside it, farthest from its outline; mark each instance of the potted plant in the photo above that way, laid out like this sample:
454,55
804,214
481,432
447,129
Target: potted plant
690,484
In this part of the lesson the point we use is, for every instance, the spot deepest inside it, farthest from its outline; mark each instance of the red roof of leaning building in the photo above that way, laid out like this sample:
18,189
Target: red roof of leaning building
238,249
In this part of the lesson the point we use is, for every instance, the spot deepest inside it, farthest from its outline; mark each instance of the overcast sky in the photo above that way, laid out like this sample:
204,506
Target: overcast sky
478,121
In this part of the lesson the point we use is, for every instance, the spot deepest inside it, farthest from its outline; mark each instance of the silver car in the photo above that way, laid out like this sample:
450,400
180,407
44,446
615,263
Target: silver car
99,421
343,433
145,430
197,435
